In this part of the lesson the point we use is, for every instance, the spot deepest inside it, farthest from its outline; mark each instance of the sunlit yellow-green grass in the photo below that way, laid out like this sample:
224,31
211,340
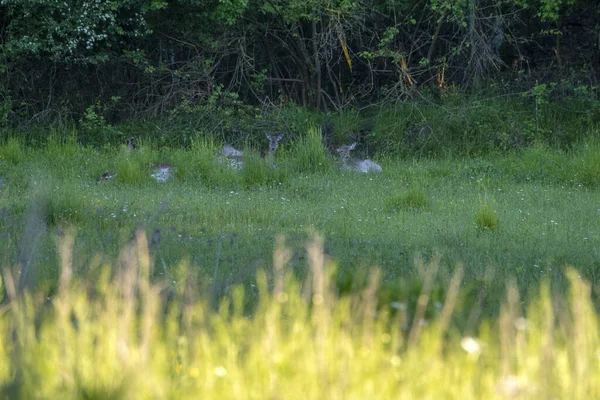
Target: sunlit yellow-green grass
119,338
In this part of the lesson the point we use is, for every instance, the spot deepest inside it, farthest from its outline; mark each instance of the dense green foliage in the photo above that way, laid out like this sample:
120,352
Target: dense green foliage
112,59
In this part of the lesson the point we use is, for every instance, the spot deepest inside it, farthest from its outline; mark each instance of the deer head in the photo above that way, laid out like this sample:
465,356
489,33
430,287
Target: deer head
344,150
273,142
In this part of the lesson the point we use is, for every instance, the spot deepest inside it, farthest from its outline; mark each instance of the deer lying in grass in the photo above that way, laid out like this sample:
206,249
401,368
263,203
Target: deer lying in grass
235,158
229,151
356,164
161,171
232,156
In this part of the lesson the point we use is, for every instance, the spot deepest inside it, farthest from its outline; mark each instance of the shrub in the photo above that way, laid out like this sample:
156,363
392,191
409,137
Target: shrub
93,126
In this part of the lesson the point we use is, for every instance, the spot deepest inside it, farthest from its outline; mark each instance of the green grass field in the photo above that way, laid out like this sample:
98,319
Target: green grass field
523,215
519,217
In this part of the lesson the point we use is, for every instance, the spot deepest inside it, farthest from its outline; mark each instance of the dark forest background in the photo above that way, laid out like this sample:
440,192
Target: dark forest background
98,62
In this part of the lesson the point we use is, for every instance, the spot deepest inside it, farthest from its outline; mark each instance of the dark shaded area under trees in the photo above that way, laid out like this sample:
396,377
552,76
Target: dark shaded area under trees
140,58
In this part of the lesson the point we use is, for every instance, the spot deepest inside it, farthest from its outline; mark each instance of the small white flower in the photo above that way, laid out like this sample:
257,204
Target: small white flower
470,345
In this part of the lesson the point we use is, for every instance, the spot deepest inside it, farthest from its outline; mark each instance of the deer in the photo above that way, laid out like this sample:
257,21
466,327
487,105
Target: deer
131,143
235,158
273,146
230,151
162,171
232,156
364,166
273,143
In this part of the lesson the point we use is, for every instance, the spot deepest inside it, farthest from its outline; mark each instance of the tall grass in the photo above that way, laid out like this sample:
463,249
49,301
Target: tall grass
200,163
119,337
309,153
12,151
451,125
258,171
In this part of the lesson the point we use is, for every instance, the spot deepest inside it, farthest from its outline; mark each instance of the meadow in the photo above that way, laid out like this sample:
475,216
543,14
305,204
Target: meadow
522,215
425,261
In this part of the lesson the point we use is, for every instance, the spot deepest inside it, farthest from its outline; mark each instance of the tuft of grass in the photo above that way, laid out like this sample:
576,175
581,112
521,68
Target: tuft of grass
309,154
67,205
201,163
586,165
538,162
132,172
344,125
62,146
133,168
255,171
414,199
486,218
299,119
12,151
258,171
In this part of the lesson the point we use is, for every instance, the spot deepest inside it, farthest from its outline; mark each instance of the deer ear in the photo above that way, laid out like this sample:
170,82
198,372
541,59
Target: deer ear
267,135
352,146
280,136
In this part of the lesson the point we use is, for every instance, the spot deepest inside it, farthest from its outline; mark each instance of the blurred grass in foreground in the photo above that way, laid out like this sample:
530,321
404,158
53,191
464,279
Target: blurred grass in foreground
123,337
